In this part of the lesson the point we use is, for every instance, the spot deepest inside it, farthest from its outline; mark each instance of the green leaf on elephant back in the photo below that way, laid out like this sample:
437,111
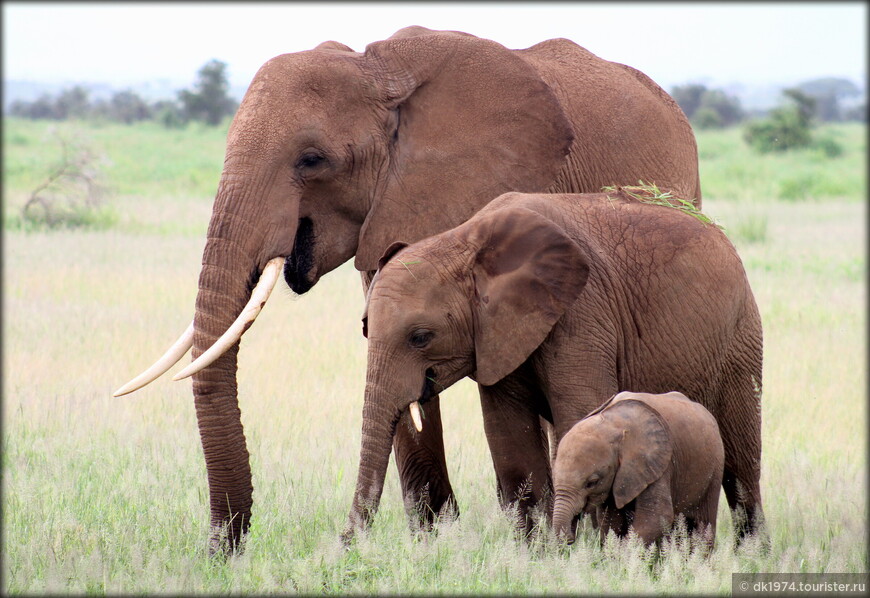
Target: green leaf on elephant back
650,193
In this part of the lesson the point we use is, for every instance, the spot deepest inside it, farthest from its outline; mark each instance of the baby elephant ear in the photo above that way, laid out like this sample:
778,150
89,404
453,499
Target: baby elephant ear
527,272
390,252
645,452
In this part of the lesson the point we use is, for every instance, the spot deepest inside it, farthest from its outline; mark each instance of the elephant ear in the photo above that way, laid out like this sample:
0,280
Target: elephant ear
388,254
645,451
474,121
526,273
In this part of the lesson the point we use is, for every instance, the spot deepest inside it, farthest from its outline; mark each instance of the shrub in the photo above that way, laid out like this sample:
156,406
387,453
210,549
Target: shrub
707,118
829,146
787,127
71,195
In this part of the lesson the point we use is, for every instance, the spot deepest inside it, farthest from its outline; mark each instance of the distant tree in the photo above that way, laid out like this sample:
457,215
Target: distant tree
71,195
210,100
72,103
727,107
41,108
829,94
127,107
787,127
707,118
707,108
169,114
688,97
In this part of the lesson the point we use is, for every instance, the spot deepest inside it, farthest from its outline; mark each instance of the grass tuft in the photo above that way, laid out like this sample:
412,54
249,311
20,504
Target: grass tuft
651,194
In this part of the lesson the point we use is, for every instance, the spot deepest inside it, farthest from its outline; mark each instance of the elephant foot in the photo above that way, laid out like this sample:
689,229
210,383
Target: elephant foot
749,522
227,538
425,510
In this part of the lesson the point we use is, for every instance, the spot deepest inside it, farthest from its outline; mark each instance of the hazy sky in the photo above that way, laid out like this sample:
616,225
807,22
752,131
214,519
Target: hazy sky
671,42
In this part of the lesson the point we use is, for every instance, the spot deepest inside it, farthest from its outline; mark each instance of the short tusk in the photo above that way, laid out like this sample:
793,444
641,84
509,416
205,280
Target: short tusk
169,359
415,415
250,312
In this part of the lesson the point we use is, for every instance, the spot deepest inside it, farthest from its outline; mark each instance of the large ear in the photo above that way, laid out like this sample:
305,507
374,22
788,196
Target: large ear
526,273
388,254
474,121
645,451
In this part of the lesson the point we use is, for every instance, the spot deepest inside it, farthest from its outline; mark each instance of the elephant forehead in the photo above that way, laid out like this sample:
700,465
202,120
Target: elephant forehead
587,437
312,70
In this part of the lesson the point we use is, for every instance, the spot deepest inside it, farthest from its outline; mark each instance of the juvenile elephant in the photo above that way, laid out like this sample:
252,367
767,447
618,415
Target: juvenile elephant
334,154
638,461
553,303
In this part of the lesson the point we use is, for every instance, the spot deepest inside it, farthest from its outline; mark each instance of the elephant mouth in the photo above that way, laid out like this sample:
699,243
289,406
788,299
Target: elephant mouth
428,390
299,265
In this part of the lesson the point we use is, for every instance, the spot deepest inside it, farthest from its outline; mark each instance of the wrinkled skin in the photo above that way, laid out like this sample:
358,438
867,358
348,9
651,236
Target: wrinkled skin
335,154
553,303
637,462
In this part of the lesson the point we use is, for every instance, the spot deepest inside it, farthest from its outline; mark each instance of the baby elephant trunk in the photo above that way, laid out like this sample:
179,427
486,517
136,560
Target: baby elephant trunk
379,422
564,513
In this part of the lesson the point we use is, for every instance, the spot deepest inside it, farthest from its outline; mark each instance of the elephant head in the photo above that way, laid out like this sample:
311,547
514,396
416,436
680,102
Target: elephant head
476,300
616,451
330,154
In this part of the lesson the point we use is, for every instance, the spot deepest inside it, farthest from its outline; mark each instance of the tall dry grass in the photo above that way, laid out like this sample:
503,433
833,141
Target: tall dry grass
105,495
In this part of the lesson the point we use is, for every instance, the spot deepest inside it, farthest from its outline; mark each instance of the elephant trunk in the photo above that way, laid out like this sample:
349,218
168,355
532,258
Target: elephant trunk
564,511
232,262
379,425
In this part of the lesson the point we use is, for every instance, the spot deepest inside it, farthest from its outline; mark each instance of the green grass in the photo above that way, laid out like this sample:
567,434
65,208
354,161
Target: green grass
104,495
150,172
651,194
731,170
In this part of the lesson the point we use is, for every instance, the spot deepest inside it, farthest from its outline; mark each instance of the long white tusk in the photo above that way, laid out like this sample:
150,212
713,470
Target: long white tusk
250,312
169,359
415,415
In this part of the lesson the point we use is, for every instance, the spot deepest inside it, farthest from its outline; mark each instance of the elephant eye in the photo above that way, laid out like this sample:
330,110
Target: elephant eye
591,482
419,339
309,160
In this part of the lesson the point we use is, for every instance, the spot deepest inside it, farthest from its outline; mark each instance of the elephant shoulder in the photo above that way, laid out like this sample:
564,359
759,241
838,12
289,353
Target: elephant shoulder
558,49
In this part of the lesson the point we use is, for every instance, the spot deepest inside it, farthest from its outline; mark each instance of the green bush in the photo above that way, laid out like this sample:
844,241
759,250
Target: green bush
71,193
707,118
785,129
829,146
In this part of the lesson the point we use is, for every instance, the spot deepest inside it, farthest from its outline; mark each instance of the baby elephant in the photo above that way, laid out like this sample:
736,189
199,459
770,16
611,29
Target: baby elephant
637,462
551,303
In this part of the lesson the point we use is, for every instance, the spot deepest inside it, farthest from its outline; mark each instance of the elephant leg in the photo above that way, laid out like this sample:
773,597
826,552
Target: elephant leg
654,511
739,419
703,519
422,468
610,518
519,448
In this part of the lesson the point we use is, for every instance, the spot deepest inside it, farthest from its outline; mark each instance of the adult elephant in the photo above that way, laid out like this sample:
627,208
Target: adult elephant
334,154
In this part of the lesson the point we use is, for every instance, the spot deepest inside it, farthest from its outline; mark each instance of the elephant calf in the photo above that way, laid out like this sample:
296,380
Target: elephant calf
552,302
637,462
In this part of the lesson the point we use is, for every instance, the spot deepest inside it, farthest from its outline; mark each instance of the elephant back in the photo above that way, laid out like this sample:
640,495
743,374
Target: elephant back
622,113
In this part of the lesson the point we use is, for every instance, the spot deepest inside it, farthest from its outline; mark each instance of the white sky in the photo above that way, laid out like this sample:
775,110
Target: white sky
777,43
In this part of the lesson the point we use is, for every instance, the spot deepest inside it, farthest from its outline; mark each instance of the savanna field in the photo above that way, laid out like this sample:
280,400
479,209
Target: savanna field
109,495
